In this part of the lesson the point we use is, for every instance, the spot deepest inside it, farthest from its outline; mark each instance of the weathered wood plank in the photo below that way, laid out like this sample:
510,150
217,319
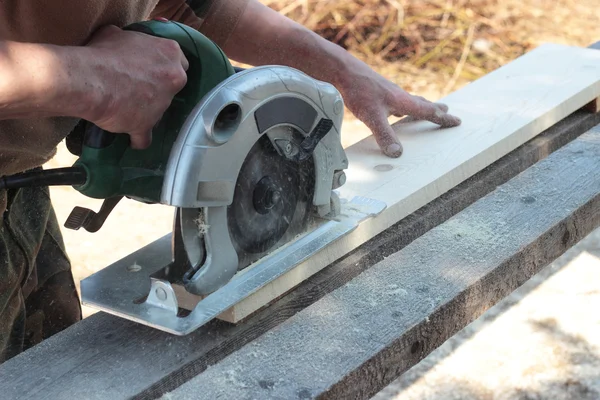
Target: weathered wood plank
499,112
105,357
358,338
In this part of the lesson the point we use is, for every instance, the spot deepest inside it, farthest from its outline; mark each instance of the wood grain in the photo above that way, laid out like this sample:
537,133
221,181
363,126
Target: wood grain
500,112
360,337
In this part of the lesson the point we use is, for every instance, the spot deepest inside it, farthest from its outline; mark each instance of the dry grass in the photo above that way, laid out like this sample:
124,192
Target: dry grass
444,43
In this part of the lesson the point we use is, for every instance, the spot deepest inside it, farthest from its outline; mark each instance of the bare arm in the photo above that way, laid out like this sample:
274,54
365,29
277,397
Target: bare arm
121,81
38,80
264,36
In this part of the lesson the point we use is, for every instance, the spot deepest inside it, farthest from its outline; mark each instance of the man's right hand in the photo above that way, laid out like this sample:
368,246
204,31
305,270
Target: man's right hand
134,78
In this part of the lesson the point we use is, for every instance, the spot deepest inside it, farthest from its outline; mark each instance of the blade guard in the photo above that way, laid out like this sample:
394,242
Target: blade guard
207,156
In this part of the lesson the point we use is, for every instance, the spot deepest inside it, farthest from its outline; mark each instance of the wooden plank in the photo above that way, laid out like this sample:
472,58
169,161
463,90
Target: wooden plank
100,357
362,336
500,112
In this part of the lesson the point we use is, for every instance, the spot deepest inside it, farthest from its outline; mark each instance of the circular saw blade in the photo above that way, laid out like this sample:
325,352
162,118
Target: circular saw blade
272,200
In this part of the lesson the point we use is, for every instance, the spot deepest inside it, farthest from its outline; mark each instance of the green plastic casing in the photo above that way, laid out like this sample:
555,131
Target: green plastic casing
114,168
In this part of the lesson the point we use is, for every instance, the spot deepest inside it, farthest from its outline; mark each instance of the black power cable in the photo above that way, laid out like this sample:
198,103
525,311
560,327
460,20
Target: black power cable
60,176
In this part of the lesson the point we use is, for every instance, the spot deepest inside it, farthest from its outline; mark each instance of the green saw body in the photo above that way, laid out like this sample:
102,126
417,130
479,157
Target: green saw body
112,167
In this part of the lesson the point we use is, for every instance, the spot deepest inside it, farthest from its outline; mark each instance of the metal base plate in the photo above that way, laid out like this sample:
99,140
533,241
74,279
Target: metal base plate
127,289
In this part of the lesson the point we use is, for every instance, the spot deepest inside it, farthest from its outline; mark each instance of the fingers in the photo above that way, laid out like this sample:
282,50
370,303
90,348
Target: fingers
443,107
419,108
140,140
184,62
437,113
385,136
411,118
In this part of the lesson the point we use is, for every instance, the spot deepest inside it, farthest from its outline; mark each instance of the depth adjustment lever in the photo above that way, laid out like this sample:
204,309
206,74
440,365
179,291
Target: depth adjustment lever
89,219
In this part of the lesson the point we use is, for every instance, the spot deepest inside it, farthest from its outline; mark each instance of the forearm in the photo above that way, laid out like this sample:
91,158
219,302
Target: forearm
263,36
44,80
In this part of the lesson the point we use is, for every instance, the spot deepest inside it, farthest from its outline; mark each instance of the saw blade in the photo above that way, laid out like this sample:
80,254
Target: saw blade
272,201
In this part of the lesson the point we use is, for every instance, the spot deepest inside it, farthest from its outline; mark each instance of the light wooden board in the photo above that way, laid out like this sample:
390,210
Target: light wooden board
360,337
500,112
106,352
118,359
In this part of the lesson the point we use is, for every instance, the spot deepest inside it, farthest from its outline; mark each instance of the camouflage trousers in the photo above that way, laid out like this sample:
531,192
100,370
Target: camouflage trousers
38,296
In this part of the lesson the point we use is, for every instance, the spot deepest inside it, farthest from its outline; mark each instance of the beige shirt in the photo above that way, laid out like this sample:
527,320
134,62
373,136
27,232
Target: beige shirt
28,143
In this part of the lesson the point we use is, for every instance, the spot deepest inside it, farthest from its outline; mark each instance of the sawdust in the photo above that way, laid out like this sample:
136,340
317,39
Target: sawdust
201,223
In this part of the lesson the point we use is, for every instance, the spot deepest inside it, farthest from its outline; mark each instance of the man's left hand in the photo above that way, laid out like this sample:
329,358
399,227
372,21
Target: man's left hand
262,36
373,99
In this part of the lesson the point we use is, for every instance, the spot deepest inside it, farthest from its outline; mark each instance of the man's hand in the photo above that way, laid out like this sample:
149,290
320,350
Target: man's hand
264,36
373,99
137,77
122,81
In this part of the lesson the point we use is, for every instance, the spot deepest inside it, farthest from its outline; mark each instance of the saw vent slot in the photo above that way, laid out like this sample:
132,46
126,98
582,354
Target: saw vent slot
226,123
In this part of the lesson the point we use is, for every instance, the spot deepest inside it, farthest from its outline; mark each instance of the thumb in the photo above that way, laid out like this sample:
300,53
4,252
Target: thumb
385,136
140,140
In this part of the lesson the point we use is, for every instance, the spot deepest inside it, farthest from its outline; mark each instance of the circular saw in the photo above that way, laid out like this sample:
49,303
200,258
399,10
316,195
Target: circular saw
249,159
255,165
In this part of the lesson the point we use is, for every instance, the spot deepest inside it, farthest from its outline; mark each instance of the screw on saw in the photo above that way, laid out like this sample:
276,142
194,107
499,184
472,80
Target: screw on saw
339,178
161,294
288,148
266,195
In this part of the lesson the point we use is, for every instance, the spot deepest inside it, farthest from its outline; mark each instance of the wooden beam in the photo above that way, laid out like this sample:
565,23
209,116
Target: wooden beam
362,336
105,357
593,106
500,112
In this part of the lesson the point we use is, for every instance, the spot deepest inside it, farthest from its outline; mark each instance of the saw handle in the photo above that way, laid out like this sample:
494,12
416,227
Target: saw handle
108,167
113,167
98,138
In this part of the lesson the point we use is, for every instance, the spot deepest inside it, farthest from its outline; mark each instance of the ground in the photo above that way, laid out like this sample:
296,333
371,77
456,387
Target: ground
541,342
